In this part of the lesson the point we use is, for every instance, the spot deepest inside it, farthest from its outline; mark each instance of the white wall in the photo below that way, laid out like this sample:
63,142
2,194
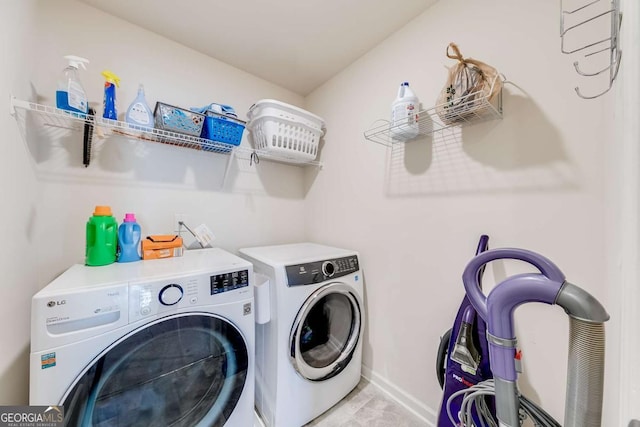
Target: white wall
153,180
623,229
18,189
532,180
48,195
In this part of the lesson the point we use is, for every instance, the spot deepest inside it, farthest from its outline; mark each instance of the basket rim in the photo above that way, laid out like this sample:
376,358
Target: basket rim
225,117
263,117
280,104
158,103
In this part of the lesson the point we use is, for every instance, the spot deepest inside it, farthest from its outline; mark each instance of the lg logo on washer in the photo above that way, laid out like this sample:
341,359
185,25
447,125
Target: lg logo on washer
54,303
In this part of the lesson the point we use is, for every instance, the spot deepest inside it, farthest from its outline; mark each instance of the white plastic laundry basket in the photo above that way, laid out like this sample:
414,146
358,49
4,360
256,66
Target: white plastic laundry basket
284,130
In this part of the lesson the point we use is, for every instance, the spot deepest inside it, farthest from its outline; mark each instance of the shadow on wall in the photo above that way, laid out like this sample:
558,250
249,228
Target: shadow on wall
275,179
521,152
523,139
418,155
16,377
311,173
284,180
367,349
526,389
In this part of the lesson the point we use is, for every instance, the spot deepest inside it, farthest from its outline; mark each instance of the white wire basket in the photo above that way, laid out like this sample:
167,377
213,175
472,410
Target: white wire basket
284,130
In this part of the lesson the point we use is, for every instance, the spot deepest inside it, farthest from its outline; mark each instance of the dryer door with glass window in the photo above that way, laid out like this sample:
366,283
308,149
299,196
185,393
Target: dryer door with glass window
326,332
183,370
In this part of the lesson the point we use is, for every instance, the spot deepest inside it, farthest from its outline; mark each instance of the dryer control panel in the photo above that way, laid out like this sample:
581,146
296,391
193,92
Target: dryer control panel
321,271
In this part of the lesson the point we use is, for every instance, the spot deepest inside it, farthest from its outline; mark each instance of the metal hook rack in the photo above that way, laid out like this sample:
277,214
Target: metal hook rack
615,54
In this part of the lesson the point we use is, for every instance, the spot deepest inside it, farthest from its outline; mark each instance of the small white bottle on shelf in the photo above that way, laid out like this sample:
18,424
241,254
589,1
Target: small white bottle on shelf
404,114
139,114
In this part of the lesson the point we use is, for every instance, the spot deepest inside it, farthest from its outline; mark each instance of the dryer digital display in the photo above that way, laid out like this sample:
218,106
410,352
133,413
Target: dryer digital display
229,281
319,271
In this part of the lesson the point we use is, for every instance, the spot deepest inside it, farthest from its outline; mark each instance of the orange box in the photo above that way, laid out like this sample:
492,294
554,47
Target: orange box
161,246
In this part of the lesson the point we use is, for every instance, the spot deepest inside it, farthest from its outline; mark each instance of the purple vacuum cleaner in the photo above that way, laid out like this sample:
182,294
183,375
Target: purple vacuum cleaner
586,341
464,372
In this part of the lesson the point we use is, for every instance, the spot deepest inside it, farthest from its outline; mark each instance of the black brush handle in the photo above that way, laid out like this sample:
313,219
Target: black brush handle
87,138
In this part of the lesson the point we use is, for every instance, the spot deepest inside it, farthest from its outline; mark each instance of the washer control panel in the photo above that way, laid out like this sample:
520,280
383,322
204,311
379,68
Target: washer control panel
229,281
320,271
163,296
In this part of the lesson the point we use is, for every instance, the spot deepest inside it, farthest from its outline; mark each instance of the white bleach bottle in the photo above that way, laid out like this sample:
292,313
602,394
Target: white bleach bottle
404,114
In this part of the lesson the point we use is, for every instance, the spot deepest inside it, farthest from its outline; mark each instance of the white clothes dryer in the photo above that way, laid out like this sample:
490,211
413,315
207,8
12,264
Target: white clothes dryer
309,355
153,343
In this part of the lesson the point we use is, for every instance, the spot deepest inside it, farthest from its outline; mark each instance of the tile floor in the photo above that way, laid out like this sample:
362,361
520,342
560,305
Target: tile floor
367,406
364,406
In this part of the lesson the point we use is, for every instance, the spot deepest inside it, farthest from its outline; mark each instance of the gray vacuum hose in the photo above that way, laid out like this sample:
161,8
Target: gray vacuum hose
585,371
585,374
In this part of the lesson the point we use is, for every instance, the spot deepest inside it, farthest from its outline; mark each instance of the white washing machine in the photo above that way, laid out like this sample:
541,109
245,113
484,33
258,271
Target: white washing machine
149,343
308,356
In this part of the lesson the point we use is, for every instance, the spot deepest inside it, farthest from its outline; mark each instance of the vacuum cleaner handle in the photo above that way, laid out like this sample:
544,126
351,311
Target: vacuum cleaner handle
470,277
483,246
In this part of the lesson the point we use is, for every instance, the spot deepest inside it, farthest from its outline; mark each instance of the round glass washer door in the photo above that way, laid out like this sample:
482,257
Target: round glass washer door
326,332
183,370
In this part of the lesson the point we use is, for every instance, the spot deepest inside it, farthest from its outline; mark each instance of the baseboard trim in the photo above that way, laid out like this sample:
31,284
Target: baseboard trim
413,405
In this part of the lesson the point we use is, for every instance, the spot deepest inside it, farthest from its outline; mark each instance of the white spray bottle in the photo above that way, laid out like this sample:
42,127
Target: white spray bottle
70,94
404,114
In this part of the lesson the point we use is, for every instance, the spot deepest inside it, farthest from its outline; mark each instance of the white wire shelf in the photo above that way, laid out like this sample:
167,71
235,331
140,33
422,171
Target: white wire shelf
474,108
52,117
56,118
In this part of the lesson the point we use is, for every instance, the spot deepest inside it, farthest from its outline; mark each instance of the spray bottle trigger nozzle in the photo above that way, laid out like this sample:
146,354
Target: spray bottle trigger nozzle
111,77
76,61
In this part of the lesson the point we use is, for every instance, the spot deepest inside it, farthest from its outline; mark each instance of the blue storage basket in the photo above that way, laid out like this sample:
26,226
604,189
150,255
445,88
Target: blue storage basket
222,128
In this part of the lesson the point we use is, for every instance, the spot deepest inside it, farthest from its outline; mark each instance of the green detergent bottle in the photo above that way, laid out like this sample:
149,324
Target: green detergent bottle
102,237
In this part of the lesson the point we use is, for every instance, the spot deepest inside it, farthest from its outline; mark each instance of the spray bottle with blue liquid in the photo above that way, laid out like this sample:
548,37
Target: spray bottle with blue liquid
70,94
109,104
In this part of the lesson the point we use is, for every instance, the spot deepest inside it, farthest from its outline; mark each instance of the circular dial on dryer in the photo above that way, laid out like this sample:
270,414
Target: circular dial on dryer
170,294
328,268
